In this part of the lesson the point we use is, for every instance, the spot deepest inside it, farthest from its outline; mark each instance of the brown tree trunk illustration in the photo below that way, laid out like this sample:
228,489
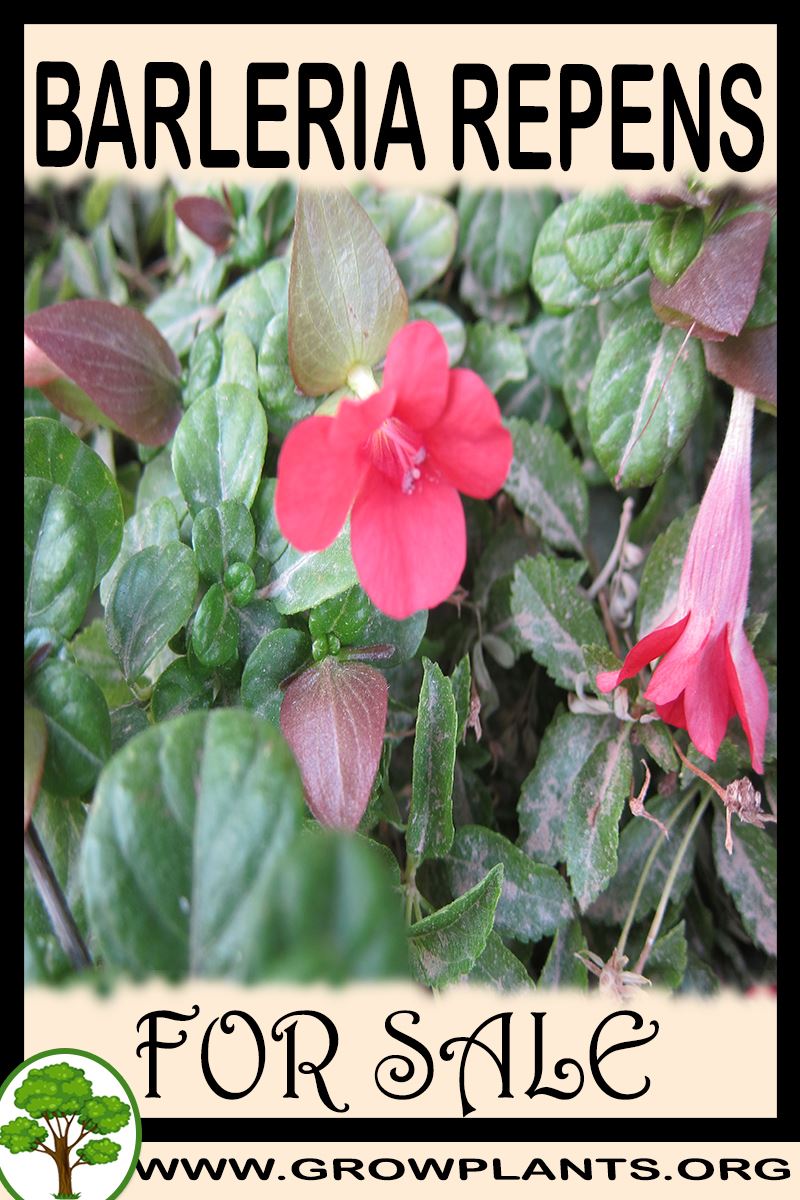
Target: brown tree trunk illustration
64,1168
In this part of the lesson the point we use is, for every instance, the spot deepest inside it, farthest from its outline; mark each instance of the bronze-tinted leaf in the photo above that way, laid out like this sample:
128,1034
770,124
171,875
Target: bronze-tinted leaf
208,219
118,358
718,289
333,716
748,361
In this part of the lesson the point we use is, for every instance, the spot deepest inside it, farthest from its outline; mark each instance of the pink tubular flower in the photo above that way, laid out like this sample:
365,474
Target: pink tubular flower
708,670
398,459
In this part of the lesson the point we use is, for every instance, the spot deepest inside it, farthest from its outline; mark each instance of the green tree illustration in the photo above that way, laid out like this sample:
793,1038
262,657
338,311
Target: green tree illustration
62,1097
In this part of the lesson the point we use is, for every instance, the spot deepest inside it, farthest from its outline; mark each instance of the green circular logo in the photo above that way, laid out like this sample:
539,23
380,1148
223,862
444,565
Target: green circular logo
69,1127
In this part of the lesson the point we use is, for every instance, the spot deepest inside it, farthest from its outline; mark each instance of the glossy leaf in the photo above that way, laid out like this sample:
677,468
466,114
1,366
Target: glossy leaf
60,557
154,525
645,394
54,453
78,727
605,240
278,655
422,237
498,968
219,448
552,278
561,968
303,579
675,237
152,599
208,219
222,536
749,875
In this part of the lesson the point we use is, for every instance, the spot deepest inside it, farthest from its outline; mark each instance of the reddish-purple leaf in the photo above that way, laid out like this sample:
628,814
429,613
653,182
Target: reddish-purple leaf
748,361
208,219
333,716
719,288
118,358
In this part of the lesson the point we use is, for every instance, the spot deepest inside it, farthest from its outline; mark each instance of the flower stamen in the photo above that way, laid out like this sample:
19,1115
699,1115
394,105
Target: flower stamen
398,453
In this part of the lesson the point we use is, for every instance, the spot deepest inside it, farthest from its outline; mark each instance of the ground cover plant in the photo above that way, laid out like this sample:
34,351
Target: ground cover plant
400,586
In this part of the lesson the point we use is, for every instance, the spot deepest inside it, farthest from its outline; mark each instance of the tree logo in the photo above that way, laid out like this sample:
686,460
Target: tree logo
71,1101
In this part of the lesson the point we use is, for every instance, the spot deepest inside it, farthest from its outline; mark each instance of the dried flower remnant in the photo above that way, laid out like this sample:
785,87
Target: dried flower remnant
614,980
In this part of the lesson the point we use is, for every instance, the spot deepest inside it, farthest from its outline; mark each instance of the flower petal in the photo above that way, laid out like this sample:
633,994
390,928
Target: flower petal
417,371
409,549
750,695
652,646
356,420
317,483
468,443
707,700
673,712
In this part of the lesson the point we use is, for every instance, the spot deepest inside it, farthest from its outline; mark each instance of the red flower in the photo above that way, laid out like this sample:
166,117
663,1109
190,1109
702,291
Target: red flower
708,670
398,459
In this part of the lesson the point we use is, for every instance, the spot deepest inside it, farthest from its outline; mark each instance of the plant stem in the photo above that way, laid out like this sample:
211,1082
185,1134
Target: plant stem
648,864
669,882
55,901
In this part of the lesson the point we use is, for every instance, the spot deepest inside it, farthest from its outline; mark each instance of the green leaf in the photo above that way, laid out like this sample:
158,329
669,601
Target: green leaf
582,343
765,308
126,722
498,233
78,727
656,740
430,821
545,482
152,599
303,579
498,968
239,362
93,653
180,316
562,969
205,359
278,655
422,237
550,616
155,525
215,629
279,394
666,963
222,536
534,901
749,876
606,238
251,303
496,354
558,287
658,593
635,844
219,448
461,680
545,795
256,619
54,453
60,557
646,391
179,690
191,822
674,240
336,915
449,324
345,296
157,483
447,944
592,829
